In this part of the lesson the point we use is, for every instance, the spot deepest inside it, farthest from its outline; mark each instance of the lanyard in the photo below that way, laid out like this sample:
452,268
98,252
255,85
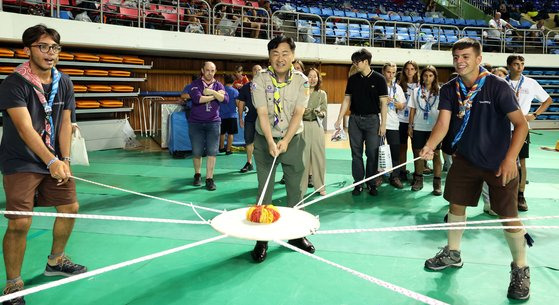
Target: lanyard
426,98
518,86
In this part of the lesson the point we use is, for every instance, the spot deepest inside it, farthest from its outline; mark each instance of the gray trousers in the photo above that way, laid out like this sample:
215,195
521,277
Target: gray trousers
291,162
364,130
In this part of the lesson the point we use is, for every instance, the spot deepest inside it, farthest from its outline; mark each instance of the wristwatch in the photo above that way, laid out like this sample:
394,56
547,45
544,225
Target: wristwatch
535,115
66,159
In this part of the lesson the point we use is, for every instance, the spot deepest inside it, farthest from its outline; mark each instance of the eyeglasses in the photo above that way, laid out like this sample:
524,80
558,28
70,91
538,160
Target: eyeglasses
355,62
45,48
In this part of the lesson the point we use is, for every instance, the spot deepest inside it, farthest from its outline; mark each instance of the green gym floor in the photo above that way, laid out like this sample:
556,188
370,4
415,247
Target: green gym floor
222,272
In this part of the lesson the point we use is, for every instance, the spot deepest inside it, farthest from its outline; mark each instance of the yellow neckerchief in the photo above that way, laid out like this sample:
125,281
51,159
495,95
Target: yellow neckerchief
278,107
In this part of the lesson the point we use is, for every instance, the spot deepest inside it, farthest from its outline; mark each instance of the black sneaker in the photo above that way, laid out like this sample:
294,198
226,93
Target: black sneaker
357,190
282,181
210,185
65,268
519,287
12,289
228,152
197,180
246,168
222,150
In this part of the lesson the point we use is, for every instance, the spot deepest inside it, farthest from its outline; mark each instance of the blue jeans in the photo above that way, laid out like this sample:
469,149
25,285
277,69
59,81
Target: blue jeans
204,136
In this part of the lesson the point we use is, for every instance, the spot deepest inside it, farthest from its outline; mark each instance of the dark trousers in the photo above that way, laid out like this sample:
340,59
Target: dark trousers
393,139
364,130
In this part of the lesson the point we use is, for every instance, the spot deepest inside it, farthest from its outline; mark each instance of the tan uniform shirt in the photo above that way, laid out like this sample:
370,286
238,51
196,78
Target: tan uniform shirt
296,93
317,100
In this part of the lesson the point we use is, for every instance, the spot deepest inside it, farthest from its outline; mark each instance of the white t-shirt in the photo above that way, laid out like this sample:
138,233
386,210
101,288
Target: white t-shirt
426,110
395,92
529,91
498,25
403,115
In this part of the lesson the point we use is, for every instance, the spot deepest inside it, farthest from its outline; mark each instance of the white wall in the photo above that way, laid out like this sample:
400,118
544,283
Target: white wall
155,42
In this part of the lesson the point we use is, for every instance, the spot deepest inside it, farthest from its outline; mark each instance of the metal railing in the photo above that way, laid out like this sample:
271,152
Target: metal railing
301,26
297,25
232,16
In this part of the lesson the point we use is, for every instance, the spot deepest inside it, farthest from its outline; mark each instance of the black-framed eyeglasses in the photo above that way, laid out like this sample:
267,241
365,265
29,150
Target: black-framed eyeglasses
45,48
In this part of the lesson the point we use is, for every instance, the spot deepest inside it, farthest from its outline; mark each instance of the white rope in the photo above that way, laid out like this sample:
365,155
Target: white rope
267,181
402,229
103,217
146,195
433,226
355,184
106,269
308,196
398,289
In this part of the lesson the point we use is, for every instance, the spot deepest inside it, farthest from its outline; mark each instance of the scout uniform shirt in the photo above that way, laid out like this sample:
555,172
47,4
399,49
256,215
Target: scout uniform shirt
295,93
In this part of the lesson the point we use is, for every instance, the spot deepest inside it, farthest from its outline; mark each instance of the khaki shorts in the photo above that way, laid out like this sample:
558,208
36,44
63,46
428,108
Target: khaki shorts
20,189
464,183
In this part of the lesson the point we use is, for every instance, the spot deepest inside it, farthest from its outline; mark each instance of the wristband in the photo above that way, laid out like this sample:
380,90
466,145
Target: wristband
51,162
535,115
66,159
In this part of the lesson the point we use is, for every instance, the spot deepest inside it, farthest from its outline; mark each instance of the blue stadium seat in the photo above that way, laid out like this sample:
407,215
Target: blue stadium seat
438,20
383,16
316,31
549,72
329,32
303,9
537,72
354,34
327,12
362,15
329,24
449,21
449,31
482,23
553,109
365,34
525,24
460,22
350,14
407,19
514,23
340,33
341,26
315,10
428,20
337,13
427,31
404,37
365,27
554,82
395,17
354,26
471,22
402,30
417,19
451,38
372,15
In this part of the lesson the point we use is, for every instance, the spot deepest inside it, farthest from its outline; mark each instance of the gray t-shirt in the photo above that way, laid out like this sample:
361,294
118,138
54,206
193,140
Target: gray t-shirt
15,156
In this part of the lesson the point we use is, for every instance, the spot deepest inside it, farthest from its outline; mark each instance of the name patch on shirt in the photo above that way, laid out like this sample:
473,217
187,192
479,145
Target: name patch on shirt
269,89
484,102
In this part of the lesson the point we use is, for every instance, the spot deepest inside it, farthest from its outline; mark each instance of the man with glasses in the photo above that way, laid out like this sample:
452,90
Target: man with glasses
366,95
36,103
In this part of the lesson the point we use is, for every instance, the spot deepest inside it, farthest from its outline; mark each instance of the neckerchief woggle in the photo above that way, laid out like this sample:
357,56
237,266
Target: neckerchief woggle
278,106
520,82
426,98
466,104
48,134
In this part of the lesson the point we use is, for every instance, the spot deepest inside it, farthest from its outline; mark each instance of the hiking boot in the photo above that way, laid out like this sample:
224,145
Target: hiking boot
378,181
395,182
310,184
12,289
222,150
65,267
522,206
372,190
246,168
282,181
437,190
519,287
404,176
444,259
417,183
357,190
197,180
210,185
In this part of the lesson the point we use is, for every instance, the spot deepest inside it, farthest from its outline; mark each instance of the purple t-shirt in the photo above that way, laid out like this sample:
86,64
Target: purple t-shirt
208,112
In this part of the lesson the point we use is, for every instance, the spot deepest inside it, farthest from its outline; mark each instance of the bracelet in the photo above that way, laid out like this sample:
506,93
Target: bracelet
66,159
535,115
52,161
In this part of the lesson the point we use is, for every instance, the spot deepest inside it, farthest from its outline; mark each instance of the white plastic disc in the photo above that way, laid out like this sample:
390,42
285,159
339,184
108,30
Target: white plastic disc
292,224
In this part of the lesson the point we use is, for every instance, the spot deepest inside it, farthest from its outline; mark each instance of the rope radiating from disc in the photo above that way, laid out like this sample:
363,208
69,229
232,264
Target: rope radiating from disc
103,217
356,184
403,291
267,181
147,196
106,269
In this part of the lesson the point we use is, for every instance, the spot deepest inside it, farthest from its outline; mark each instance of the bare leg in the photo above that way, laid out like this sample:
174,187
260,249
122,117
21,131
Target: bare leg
229,142
250,150
197,164
210,165
222,141
63,227
14,245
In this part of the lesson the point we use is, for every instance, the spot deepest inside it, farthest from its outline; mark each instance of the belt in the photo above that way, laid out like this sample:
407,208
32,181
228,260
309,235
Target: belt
309,120
364,115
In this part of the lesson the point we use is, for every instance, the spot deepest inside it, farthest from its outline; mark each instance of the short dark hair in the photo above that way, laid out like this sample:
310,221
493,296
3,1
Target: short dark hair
274,43
32,34
514,57
319,82
228,79
362,55
465,43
